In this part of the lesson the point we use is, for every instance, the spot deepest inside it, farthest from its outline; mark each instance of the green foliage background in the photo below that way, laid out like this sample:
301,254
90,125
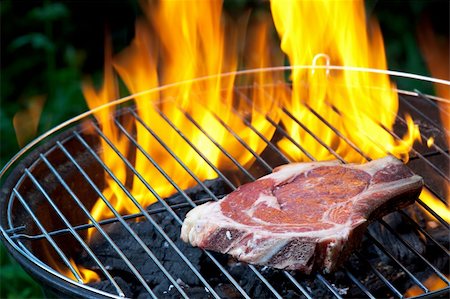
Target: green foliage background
48,46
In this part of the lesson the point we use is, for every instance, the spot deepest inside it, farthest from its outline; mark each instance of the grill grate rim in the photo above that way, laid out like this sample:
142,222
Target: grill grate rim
12,231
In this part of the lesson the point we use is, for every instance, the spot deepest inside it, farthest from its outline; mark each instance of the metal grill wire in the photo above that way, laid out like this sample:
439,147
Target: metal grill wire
298,285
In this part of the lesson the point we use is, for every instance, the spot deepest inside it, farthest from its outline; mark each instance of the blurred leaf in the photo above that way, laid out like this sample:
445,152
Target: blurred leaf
14,281
74,58
3,256
49,12
36,40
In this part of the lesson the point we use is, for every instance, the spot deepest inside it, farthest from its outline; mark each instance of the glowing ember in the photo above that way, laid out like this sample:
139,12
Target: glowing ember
180,42
432,283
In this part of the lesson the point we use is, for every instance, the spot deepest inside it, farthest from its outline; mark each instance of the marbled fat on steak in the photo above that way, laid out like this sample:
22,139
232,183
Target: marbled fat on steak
303,216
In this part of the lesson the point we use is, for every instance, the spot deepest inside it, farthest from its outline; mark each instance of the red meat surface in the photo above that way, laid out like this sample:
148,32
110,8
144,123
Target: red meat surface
303,216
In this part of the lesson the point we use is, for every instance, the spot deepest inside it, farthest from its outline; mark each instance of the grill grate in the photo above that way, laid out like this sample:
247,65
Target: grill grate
22,238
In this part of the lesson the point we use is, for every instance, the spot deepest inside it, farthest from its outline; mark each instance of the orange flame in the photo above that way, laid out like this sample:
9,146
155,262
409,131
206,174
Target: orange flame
199,45
435,51
432,283
109,92
26,121
180,42
48,253
86,275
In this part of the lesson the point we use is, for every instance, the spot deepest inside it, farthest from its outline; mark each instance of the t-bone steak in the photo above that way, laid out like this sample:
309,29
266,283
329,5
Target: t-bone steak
303,216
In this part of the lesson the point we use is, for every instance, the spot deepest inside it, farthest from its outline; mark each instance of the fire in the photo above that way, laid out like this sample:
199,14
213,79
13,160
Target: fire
435,204
26,121
180,42
435,51
432,283
197,47
338,30
86,275
95,98
430,141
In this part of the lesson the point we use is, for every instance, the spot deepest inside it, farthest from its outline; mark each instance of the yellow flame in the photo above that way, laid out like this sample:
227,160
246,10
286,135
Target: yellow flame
337,29
109,91
179,41
435,204
430,141
199,44
86,275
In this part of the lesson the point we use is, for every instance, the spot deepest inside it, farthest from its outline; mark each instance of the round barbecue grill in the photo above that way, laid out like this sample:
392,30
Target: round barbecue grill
49,188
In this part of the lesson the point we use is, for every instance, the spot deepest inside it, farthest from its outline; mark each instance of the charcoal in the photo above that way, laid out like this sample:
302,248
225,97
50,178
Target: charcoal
197,292
405,232
159,246
137,255
434,252
106,286
225,290
241,272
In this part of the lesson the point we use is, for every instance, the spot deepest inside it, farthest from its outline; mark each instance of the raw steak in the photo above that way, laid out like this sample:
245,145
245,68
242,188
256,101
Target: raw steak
303,216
